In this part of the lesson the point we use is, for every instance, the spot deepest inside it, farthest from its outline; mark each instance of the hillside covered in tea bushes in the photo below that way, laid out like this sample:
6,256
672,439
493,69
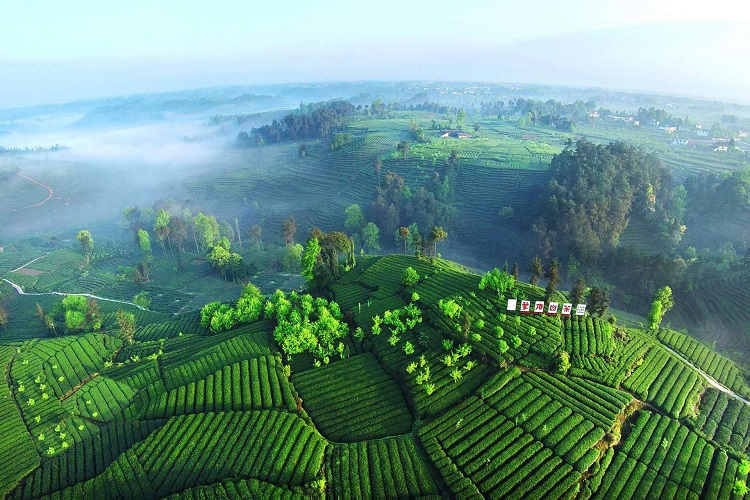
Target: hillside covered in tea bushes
380,389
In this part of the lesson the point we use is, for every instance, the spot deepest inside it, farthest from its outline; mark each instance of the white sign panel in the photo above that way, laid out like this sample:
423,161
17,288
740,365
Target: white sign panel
580,309
525,306
538,307
512,304
552,308
566,309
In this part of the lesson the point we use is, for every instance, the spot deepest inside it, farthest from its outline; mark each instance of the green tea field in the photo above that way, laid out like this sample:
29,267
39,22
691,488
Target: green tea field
436,390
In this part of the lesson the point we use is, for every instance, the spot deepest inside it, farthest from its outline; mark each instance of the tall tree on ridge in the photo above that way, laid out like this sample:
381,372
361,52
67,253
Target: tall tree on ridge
553,275
536,269
256,235
289,229
576,295
437,234
404,233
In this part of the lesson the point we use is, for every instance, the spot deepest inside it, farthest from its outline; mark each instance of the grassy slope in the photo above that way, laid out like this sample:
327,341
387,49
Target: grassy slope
495,170
499,167
494,431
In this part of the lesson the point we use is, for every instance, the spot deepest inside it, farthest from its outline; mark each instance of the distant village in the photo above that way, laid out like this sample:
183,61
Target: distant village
692,134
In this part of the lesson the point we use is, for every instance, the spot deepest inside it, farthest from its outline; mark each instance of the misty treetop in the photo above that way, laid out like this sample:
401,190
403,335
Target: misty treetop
719,195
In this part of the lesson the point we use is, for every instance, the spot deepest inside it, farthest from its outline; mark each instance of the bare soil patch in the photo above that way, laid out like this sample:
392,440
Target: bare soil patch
30,272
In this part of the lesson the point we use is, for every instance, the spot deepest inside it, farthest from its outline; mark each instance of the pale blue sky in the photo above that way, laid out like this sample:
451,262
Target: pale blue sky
52,50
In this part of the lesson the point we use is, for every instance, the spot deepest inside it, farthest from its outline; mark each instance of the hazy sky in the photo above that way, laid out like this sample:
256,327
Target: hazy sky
52,51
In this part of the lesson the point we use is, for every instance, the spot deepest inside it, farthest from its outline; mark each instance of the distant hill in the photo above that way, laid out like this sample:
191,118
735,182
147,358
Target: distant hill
157,109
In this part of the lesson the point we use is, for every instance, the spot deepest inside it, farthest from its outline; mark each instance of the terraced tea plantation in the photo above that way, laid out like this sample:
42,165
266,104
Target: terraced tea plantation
437,390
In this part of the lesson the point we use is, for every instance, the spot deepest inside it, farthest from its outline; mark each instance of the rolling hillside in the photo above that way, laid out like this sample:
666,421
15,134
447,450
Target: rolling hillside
466,401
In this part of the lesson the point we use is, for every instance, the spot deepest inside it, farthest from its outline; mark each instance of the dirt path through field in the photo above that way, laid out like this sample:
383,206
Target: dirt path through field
29,262
711,381
49,196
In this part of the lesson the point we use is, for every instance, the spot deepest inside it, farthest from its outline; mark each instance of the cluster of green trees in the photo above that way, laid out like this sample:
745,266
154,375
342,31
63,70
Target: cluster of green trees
3,315
451,359
229,264
416,243
715,196
394,204
307,325
661,304
551,272
597,298
126,325
531,111
431,107
87,244
497,281
595,191
536,112
399,322
321,259
338,141
75,313
410,276
365,234
740,487
562,362
219,317
310,122
172,225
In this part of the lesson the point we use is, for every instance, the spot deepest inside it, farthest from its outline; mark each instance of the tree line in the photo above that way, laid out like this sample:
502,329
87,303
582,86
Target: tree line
317,123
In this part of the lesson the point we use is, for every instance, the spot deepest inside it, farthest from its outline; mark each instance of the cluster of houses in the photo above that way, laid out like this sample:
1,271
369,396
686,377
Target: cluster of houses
702,138
627,119
455,134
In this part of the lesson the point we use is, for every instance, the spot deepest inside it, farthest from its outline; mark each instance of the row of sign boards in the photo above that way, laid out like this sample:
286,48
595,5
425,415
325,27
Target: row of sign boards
552,308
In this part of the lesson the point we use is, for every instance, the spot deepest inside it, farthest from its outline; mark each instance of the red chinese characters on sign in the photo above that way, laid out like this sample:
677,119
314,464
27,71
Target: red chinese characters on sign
552,308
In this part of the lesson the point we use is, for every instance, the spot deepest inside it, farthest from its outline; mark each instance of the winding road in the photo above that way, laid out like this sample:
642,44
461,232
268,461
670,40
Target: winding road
49,196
